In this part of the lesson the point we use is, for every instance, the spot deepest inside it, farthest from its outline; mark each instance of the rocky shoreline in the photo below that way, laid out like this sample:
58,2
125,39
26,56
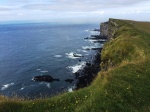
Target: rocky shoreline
90,71
86,75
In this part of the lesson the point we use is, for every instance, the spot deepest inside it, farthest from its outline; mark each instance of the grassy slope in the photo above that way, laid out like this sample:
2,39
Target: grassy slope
124,85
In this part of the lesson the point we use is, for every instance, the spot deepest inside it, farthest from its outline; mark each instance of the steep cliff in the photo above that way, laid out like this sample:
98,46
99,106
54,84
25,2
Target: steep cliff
108,29
104,29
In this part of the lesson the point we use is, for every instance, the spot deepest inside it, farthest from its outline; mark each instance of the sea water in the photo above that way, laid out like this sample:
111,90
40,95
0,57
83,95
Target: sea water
33,49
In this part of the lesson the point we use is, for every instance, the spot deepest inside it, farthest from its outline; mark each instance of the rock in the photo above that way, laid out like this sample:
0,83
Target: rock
45,78
89,72
88,64
96,48
86,38
77,55
69,80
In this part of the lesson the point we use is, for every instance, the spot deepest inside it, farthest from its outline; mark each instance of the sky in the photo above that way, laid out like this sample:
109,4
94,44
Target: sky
77,11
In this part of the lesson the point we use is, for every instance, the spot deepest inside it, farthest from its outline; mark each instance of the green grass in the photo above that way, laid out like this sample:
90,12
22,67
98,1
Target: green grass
123,85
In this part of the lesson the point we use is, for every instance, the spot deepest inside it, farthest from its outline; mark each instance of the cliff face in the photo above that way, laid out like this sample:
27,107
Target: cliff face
104,29
112,29
108,29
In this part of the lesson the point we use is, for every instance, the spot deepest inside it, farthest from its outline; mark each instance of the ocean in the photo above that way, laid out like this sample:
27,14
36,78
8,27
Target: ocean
32,49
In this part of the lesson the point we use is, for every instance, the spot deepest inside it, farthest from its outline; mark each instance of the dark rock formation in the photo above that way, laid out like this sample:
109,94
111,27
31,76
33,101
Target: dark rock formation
88,64
96,48
86,76
96,37
69,80
45,78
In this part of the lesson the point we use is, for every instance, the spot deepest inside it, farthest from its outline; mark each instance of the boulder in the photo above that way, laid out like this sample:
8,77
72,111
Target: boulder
45,78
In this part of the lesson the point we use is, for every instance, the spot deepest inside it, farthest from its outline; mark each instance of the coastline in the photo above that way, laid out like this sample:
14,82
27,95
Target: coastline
90,71
121,87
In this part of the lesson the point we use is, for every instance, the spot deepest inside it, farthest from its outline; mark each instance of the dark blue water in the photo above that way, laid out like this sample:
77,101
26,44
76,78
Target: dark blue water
28,50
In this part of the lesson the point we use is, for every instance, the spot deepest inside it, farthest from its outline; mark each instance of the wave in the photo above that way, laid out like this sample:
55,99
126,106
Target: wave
88,47
45,83
6,86
87,30
58,56
38,69
77,67
92,47
71,89
27,86
84,51
44,71
22,88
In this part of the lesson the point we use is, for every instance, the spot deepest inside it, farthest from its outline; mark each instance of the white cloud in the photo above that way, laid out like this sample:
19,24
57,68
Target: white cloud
75,9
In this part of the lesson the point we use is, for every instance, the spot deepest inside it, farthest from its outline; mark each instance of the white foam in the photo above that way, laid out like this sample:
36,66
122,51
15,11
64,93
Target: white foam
88,47
38,69
71,55
22,88
84,51
87,30
77,67
6,86
94,32
44,71
58,56
45,83
71,89
49,85
92,47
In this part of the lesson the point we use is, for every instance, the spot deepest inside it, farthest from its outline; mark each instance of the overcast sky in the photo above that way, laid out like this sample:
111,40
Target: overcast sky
80,11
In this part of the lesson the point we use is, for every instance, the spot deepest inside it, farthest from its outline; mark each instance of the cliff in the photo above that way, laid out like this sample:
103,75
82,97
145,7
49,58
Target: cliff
108,29
104,29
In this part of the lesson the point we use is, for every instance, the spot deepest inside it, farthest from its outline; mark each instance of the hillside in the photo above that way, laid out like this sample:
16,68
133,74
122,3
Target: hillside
123,85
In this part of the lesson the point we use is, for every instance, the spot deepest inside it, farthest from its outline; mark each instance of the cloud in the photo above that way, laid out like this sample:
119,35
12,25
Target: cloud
66,9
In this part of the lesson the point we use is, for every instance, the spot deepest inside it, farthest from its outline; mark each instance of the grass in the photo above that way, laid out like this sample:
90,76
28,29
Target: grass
123,85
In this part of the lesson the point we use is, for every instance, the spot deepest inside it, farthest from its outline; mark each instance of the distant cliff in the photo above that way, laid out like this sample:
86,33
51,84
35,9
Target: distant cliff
108,29
104,29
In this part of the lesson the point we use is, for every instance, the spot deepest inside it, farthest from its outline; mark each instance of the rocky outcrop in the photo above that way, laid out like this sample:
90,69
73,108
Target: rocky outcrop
44,78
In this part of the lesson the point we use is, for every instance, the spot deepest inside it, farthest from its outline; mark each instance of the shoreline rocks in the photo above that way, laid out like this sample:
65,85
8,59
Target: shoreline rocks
88,73
45,78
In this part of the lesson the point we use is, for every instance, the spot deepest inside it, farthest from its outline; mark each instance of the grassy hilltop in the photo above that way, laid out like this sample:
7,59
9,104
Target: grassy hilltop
123,85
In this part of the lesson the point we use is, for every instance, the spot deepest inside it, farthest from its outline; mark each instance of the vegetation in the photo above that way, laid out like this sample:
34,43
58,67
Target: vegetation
123,85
